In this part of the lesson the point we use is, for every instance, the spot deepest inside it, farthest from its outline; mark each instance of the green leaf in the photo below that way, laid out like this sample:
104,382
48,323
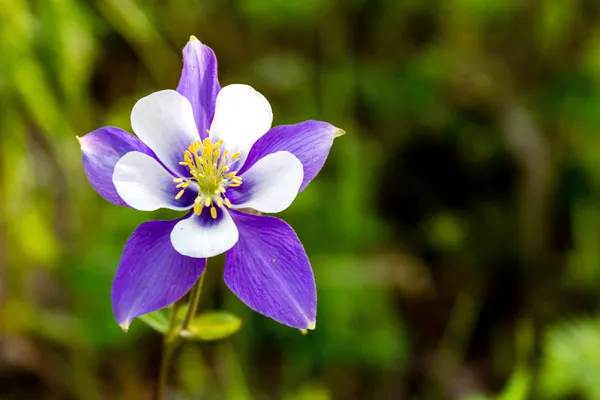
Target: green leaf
213,326
157,320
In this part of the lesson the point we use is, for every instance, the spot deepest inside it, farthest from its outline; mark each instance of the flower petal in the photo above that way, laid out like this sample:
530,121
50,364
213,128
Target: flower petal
146,185
151,275
199,82
101,150
203,236
269,271
164,121
309,141
242,115
270,185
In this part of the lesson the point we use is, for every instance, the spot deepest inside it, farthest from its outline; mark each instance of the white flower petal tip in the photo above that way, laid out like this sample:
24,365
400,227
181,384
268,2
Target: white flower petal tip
312,325
145,185
274,182
339,132
164,121
205,236
193,38
125,326
242,116
83,143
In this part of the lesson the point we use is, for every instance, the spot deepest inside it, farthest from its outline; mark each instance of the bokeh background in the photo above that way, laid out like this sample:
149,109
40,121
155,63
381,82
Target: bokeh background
454,231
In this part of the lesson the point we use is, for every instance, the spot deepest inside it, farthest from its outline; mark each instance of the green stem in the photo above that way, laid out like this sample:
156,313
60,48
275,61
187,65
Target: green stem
170,343
172,339
193,303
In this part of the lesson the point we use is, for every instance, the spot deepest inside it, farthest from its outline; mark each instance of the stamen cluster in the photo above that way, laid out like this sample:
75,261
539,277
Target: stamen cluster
209,169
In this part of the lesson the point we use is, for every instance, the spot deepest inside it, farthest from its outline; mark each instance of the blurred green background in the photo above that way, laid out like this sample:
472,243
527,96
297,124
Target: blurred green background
454,231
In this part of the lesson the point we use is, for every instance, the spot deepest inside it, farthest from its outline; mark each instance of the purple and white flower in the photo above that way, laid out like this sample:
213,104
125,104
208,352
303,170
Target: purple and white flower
211,152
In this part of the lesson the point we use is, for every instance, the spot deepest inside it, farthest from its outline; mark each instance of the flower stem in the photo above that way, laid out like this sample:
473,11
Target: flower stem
193,302
170,343
172,338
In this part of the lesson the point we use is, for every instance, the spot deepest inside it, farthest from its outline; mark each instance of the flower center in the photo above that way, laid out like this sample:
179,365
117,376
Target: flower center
209,168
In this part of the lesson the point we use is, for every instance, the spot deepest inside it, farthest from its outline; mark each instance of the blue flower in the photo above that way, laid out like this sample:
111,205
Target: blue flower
210,152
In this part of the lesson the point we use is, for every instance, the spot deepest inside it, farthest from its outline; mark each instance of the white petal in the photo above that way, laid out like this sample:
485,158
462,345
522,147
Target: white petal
272,183
202,236
146,185
164,121
242,116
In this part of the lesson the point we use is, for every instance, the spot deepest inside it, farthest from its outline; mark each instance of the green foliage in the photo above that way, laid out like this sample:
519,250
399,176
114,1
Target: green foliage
212,325
571,362
157,320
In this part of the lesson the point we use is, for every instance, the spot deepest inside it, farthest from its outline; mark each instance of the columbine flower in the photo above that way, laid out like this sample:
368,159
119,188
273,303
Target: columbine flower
212,152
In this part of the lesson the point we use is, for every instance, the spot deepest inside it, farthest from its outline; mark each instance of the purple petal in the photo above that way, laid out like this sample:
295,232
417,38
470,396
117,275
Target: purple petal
309,141
151,275
199,82
102,149
269,271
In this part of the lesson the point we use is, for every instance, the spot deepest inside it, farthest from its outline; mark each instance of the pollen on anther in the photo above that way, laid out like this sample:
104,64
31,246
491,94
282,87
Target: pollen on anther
209,167
213,212
178,196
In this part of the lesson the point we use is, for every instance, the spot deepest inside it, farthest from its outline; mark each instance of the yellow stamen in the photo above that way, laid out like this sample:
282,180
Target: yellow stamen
209,167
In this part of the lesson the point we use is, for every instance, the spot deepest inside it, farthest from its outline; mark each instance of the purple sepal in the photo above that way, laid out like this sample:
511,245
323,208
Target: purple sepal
199,82
309,141
102,149
269,271
151,275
